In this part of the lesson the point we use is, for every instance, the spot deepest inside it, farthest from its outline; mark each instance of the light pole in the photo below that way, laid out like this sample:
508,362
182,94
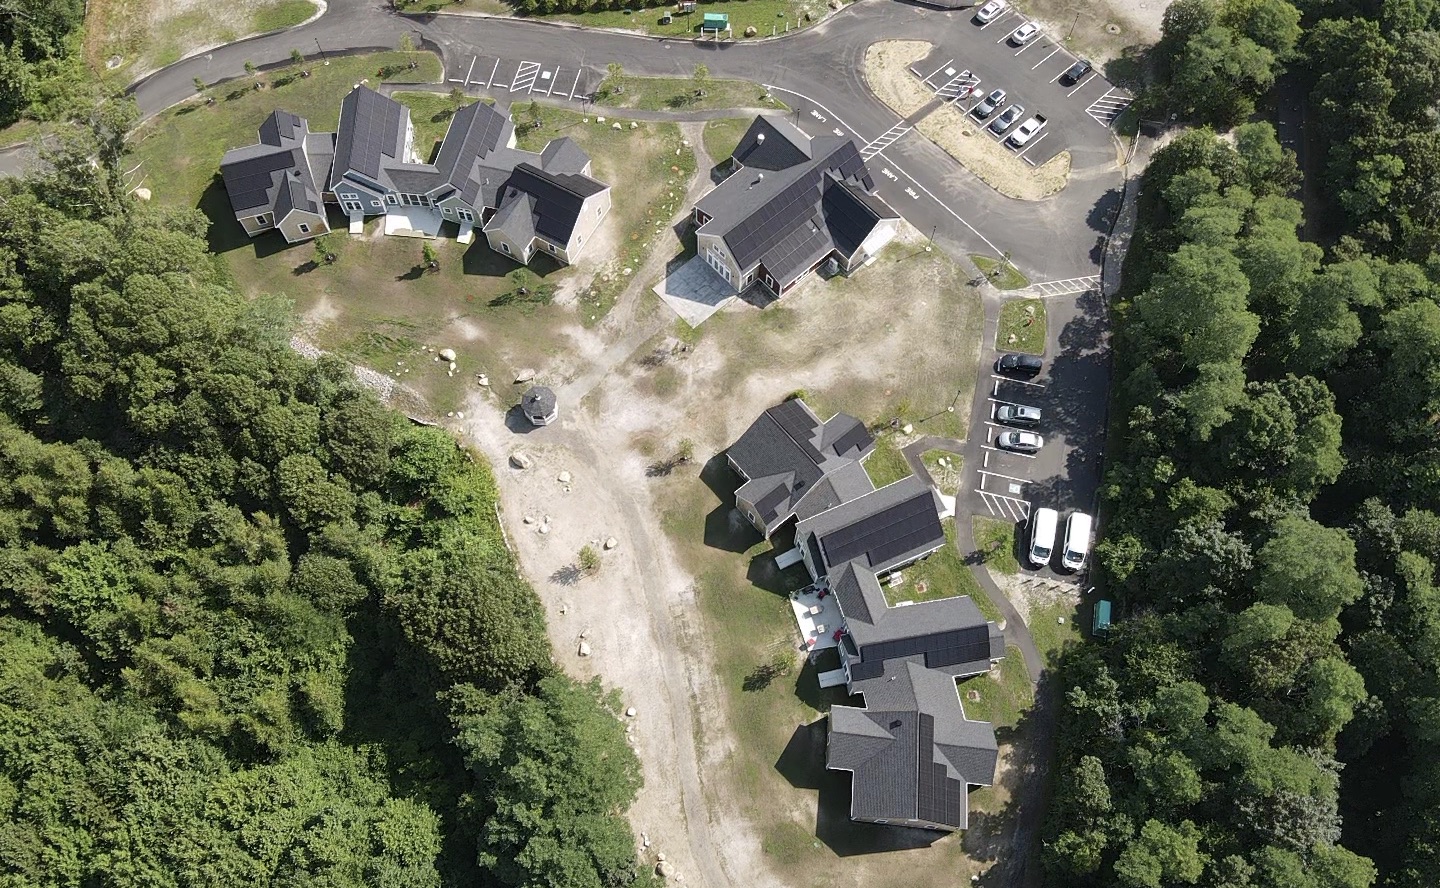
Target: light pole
931,243
1073,24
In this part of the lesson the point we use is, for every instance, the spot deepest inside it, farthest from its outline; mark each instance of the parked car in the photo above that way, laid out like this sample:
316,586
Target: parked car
1026,131
989,12
1019,365
1017,415
988,105
1077,541
1076,71
1042,536
1020,442
1024,34
1006,119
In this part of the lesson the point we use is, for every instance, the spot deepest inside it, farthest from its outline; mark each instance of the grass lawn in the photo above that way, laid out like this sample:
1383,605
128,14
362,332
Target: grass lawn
678,93
1024,320
945,468
655,169
763,15
996,539
1051,636
941,574
431,113
999,696
886,464
180,150
721,136
1009,277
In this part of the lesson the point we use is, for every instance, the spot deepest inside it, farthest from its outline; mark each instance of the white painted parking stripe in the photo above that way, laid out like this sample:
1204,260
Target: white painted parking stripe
997,19
937,71
1033,144
576,86
1011,452
1081,85
1033,42
1006,477
491,81
527,72
473,60
1064,287
1038,385
1046,59
1006,506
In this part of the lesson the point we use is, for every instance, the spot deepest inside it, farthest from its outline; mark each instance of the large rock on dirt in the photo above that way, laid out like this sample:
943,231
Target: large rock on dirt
520,460
524,375
447,354
584,649
611,542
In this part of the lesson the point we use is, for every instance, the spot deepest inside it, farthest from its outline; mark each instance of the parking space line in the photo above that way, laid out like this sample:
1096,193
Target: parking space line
1002,401
1027,46
1038,385
1046,59
1007,506
1011,452
577,84
937,71
998,19
1032,144
491,81
473,60
1006,477
1081,86
527,71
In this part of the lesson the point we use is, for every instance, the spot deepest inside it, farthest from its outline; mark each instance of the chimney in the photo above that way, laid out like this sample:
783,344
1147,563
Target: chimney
759,138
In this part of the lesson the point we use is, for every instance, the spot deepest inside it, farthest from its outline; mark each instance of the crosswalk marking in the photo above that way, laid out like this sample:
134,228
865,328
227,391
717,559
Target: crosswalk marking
525,76
1109,106
1065,287
886,139
1007,507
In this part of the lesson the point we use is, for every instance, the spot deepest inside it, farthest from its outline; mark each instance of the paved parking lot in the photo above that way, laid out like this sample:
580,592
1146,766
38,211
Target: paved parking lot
983,58
523,77
1071,396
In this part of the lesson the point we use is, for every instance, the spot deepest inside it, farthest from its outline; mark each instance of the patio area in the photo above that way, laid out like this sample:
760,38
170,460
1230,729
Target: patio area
818,618
695,291
412,222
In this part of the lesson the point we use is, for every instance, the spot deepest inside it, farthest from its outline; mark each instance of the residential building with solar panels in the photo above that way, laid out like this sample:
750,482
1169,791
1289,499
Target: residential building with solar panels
910,749
524,202
791,205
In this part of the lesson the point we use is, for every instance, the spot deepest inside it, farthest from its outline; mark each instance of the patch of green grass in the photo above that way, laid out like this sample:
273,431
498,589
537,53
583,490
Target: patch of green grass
180,150
763,15
941,574
1051,636
1024,319
886,464
651,168
1002,275
721,136
999,696
947,474
995,540
281,14
485,7
430,113
679,94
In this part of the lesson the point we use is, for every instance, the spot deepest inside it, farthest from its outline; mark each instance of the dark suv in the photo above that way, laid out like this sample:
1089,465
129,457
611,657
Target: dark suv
1019,365
1077,70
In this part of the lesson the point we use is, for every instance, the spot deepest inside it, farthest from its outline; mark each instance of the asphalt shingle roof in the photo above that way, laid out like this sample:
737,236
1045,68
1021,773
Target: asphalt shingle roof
890,526
371,135
275,174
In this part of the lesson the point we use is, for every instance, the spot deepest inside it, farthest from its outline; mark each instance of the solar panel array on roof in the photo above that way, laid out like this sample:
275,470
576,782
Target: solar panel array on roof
249,181
774,220
850,221
475,131
558,199
796,421
369,131
940,798
885,534
852,442
770,501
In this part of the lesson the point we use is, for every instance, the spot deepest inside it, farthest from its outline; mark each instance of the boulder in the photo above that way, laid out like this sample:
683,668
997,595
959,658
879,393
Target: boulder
907,429
524,375
750,31
664,869
616,125
520,460
447,354
563,477
452,366
611,542
584,649
630,713
482,379
142,194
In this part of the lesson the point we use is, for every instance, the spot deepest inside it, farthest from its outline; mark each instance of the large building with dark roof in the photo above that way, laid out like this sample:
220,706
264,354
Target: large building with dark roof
525,202
912,752
792,203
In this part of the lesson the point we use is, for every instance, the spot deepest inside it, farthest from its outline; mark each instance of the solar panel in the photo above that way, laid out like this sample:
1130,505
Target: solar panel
886,533
857,439
798,424
768,503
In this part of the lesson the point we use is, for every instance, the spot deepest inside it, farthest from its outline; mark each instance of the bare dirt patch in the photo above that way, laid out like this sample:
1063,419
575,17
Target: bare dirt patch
1100,29
991,161
887,73
149,34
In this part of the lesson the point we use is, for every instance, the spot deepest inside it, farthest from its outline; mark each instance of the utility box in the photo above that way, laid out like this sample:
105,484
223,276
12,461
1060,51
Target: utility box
686,7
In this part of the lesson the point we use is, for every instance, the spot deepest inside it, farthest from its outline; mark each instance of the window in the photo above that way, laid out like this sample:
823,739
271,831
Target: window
352,206
770,282
505,248
262,219
597,212
304,229
391,199
375,204
551,247
465,215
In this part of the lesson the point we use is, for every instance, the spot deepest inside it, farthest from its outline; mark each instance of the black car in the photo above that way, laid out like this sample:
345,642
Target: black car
1019,365
1077,70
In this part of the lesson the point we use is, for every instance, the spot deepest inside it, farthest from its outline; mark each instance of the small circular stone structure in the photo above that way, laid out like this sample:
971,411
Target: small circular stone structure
538,402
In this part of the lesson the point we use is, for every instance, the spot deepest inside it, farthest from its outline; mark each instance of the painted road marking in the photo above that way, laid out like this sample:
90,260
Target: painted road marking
1081,85
1046,59
911,192
1006,477
525,76
491,81
1008,507
1003,450
473,60
946,207
1038,385
577,84
1066,287
889,175
1032,145
1109,106
938,70
886,139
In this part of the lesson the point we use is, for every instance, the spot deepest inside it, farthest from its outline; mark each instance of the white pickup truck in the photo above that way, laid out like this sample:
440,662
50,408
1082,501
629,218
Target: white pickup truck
1026,131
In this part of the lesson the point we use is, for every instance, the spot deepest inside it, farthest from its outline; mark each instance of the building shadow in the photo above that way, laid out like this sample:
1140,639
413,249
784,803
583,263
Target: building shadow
517,422
225,233
725,528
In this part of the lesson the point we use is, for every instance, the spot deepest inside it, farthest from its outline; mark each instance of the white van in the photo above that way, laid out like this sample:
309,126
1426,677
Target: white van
1077,541
1042,535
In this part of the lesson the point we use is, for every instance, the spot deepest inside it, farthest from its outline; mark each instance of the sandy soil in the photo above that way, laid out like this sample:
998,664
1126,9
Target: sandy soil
887,73
1029,592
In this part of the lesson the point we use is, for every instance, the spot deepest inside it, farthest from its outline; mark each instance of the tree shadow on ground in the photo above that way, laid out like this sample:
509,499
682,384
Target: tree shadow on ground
725,528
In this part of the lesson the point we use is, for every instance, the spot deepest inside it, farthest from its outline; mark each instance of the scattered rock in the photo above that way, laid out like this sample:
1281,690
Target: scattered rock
630,713
685,142
907,429
452,366
599,120
450,414
528,520
616,125
585,633
520,460
524,375
1060,620
482,379
834,4
626,271
563,477
664,870
611,543
544,528
633,124
750,31
584,649
660,857
1012,338
142,194
459,414
447,354
644,840
1030,310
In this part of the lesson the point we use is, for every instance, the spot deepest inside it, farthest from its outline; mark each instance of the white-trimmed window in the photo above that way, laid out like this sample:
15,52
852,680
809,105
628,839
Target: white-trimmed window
375,204
465,215
262,219
392,200
505,248
304,229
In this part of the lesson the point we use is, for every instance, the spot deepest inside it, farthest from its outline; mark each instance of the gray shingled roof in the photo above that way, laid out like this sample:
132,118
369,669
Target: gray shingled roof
788,452
912,752
795,200
371,135
562,155
516,219
890,526
275,174
538,400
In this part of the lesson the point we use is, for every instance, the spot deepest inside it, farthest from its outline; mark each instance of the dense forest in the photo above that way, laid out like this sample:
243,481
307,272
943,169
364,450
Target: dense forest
41,72
255,628
1268,506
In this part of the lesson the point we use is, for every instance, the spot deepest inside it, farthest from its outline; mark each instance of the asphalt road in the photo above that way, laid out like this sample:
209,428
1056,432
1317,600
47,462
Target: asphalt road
818,71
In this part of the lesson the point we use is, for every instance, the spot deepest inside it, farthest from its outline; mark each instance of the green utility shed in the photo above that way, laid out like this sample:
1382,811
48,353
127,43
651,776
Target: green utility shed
1101,624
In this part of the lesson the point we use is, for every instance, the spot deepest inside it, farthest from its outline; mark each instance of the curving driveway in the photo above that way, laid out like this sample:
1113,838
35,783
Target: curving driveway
818,71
